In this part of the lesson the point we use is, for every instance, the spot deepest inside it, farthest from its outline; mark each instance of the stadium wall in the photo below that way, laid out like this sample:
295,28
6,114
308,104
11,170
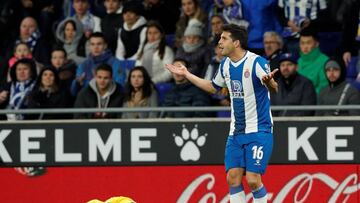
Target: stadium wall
314,160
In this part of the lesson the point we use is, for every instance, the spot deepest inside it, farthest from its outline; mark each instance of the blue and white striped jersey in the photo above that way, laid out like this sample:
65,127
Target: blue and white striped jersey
304,8
250,98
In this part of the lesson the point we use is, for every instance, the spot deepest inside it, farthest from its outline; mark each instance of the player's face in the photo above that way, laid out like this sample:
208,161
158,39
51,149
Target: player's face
287,68
226,44
137,79
103,79
307,44
333,74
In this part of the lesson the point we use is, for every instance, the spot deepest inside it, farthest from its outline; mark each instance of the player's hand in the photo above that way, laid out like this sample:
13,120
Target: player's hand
178,70
266,78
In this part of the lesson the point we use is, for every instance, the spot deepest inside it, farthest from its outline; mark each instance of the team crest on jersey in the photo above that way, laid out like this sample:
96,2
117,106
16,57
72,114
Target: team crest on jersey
237,89
247,73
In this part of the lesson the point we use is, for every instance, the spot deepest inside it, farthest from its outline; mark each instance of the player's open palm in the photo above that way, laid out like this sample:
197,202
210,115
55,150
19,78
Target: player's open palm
179,70
267,78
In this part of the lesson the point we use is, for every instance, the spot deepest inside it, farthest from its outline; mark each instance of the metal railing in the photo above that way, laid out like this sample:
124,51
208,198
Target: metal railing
171,109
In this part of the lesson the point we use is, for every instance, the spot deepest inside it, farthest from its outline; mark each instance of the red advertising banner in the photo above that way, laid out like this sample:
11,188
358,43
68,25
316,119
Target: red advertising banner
167,184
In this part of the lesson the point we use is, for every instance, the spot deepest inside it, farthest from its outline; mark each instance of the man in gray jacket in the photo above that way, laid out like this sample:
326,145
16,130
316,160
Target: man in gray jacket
339,91
101,92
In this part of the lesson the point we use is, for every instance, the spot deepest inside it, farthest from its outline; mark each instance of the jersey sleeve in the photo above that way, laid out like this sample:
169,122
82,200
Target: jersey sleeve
218,80
261,67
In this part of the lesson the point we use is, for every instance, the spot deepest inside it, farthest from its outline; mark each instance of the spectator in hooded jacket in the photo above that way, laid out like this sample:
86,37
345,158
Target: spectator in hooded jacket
48,93
294,89
132,34
155,53
194,49
99,54
70,36
339,91
112,22
191,10
101,92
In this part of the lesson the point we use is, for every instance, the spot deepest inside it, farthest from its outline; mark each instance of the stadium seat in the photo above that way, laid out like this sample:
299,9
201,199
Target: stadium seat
162,89
351,71
329,42
170,40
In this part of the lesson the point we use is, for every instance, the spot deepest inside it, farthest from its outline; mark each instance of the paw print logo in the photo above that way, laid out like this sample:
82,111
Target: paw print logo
190,142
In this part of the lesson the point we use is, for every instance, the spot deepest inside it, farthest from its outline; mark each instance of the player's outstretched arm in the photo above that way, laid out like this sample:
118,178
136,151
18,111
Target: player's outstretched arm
269,81
203,84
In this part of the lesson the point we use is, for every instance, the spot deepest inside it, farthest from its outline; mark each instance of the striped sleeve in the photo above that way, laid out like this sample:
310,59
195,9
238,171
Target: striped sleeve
261,67
219,80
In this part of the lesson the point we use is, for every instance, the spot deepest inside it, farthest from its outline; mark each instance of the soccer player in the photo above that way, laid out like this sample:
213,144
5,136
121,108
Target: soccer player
249,80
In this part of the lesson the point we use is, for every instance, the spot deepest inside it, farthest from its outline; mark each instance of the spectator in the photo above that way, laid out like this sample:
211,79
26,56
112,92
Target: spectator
190,10
133,32
65,68
194,49
338,92
155,54
29,34
351,36
21,50
273,47
262,17
295,16
294,89
312,60
165,12
69,35
112,22
13,95
233,13
185,94
140,92
216,23
101,92
99,54
90,22
49,94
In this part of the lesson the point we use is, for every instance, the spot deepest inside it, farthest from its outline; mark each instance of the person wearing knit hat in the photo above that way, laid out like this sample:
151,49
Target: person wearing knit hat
339,91
194,48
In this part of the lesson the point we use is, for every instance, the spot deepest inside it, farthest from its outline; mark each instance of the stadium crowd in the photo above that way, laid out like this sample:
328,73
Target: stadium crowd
111,53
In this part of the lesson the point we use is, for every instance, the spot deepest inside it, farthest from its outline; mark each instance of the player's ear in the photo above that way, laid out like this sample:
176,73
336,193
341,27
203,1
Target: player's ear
236,43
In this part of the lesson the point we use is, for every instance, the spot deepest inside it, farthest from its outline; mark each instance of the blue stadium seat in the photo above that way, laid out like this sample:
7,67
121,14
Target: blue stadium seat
162,89
351,72
170,40
329,42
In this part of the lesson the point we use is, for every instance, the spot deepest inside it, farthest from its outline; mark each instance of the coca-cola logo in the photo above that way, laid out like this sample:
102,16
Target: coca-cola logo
300,187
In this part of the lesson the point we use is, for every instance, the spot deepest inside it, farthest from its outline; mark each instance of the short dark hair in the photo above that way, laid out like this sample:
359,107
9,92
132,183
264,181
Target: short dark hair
186,63
59,49
309,31
97,35
237,33
104,67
